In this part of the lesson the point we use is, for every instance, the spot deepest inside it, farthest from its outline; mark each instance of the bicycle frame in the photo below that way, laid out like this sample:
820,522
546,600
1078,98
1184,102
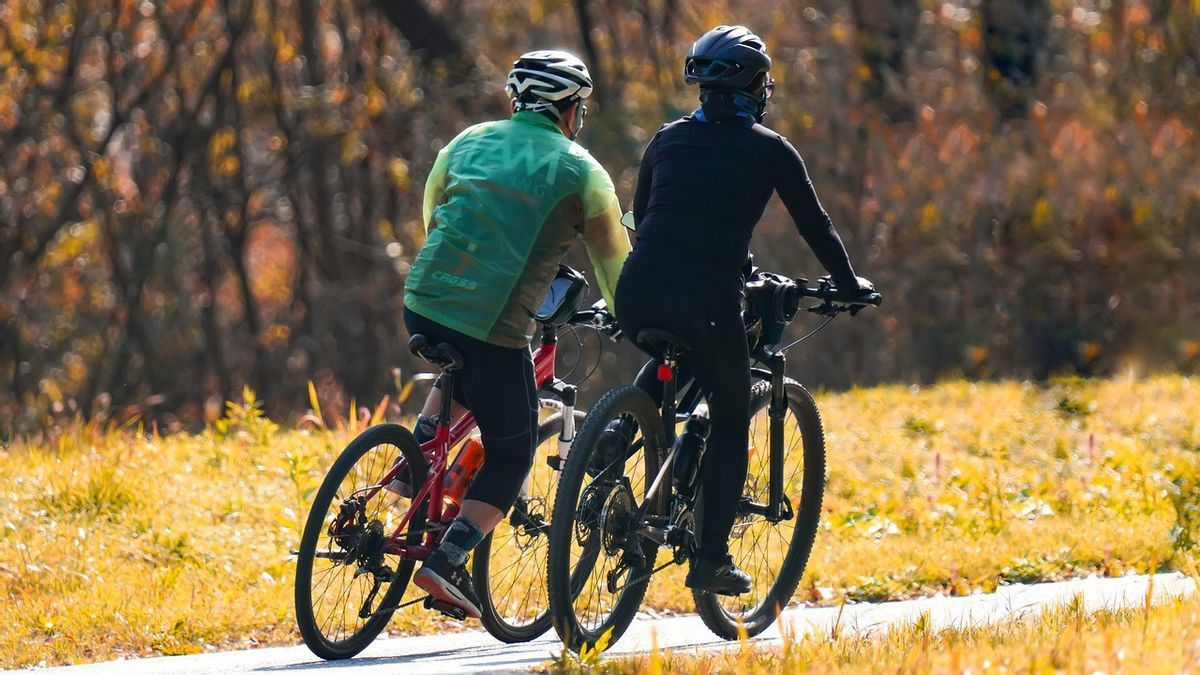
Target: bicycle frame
777,409
437,450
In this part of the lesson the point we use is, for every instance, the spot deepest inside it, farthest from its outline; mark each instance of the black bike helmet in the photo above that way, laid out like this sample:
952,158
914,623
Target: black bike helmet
727,57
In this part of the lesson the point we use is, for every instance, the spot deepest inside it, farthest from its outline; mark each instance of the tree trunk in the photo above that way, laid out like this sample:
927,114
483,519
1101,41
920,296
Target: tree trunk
1013,32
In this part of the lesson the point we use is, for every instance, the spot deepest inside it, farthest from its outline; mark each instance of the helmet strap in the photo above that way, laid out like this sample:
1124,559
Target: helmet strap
576,123
580,113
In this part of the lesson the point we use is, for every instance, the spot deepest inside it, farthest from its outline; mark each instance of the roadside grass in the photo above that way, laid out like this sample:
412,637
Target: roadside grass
1160,639
122,543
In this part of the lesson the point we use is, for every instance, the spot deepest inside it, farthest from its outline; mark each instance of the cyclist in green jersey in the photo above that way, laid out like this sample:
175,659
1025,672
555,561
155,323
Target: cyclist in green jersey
503,202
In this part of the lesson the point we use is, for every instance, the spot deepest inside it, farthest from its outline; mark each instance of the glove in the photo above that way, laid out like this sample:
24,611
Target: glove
846,288
864,285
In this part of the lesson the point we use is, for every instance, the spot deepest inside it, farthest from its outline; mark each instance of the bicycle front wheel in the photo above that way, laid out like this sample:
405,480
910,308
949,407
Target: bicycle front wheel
347,583
509,565
774,554
600,558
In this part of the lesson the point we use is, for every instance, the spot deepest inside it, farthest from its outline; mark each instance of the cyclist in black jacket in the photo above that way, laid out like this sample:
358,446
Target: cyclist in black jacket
702,186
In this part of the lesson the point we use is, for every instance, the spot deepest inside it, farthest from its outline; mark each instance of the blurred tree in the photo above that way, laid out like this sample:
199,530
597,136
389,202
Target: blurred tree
201,194
1014,32
885,32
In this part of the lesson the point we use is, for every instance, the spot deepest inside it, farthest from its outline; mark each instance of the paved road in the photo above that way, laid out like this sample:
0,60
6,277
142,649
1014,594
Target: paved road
474,652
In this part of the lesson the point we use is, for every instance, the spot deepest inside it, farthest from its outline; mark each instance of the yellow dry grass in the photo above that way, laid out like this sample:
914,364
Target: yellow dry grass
1163,639
122,543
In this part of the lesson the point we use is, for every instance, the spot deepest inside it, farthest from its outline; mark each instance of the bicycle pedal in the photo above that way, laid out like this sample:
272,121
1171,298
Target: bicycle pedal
452,611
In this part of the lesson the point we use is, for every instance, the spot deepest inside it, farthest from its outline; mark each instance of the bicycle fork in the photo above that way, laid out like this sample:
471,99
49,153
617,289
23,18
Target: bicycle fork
777,507
565,406
776,411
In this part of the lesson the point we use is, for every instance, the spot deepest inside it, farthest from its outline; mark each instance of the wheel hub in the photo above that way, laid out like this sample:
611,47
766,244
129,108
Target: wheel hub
528,521
361,541
616,519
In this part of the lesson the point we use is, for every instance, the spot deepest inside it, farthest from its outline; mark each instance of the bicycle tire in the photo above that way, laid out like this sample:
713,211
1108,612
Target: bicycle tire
722,614
565,583
327,504
501,627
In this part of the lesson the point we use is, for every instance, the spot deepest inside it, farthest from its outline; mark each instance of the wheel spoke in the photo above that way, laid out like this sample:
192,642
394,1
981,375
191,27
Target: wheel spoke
330,596
761,547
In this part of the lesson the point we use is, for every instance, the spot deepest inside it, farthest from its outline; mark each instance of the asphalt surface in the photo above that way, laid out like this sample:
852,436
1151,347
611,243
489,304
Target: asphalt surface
476,651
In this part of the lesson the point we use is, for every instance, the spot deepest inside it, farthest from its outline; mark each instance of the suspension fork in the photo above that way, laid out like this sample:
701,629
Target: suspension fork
777,410
565,405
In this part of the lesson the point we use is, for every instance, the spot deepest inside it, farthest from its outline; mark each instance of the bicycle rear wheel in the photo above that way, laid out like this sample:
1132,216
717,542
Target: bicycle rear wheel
347,585
509,565
773,554
595,588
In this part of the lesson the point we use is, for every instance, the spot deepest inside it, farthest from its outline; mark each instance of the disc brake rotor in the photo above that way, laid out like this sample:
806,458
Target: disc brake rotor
529,522
616,518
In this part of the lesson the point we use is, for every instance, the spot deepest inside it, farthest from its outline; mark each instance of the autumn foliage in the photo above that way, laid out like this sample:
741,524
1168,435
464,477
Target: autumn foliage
196,195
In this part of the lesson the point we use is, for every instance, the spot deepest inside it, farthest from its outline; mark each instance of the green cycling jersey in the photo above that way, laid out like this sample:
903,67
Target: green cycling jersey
503,202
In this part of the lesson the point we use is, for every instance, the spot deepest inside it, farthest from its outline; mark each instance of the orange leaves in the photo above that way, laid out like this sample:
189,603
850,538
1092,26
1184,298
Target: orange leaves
959,142
840,32
1172,137
352,148
227,167
1073,140
398,172
220,152
929,217
376,100
275,335
285,51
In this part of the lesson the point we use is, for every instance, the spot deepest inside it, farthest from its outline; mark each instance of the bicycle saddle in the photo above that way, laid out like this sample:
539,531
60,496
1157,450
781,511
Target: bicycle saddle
444,355
659,340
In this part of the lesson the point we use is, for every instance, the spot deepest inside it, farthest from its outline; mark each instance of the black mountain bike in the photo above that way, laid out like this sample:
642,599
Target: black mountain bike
630,486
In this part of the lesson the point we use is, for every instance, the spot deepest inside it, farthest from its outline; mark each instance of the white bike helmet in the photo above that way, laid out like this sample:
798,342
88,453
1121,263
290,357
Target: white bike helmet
548,80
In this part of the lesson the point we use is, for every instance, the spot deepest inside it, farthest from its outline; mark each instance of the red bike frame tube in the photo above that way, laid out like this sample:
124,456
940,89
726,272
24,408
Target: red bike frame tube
436,451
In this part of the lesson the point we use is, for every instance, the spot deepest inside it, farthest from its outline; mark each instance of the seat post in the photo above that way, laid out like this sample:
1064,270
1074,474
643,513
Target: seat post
668,369
444,418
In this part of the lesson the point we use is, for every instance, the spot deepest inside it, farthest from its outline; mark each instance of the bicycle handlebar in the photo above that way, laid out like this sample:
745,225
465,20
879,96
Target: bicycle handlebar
833,294
835,301
598,318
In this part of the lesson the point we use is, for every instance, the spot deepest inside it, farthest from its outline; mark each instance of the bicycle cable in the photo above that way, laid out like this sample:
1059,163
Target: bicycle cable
579,357
578,354
805,337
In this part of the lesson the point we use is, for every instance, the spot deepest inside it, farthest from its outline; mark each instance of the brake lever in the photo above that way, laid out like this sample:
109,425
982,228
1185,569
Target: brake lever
606,324
826,309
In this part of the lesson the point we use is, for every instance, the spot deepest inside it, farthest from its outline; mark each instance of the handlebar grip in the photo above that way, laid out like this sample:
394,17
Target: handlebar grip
832,294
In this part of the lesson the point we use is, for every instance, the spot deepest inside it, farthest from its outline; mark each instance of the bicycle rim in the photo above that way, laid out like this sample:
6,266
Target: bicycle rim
593,595
509,567
347,586
773,554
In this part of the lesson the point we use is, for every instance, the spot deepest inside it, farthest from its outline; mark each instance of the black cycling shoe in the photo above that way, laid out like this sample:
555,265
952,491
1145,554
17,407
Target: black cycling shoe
718,576
448,584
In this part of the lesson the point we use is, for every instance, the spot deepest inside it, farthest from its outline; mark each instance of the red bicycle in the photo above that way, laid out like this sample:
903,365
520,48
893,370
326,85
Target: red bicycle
361,539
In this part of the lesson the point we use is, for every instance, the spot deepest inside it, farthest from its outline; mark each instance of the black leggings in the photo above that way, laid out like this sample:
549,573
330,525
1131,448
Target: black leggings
496,384
719,360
